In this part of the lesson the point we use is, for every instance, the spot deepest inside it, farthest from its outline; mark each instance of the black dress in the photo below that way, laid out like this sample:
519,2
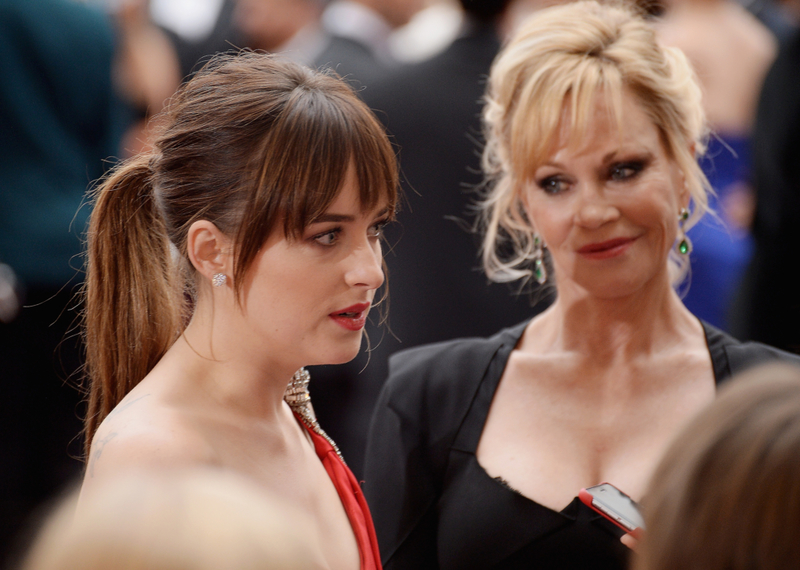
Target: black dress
434,506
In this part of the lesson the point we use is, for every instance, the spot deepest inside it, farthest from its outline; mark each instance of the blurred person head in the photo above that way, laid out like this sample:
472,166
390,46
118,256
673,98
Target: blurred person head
396,13
567,81
726,495
175,520
253,148
521,9
485,10
270,24
792,7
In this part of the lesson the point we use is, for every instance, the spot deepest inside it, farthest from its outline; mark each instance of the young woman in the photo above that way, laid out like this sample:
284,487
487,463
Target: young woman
245,246
480,447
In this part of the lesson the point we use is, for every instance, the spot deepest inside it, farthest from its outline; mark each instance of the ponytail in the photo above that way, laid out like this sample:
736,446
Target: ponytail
133,298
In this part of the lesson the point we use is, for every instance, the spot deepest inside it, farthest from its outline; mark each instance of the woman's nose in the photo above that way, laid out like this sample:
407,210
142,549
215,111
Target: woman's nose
593,208
366,268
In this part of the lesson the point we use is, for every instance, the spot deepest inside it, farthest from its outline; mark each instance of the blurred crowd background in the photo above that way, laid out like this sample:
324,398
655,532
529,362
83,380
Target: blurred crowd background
81,81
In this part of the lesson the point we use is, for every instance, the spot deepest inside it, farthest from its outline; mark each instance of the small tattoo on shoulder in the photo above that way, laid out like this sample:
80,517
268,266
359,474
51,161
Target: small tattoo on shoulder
126,405
99,445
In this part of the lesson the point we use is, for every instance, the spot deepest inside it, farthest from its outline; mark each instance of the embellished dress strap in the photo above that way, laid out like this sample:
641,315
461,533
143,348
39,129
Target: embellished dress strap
299,400
347,487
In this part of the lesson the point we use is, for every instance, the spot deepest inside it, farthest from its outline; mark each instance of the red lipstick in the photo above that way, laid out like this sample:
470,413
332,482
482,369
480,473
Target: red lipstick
606,249
352,318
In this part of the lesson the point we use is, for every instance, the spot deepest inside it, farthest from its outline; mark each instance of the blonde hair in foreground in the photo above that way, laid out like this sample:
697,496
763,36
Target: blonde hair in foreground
194,520
726,495
564,58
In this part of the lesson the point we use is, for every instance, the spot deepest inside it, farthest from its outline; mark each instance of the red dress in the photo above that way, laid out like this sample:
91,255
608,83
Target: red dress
352,498
355,505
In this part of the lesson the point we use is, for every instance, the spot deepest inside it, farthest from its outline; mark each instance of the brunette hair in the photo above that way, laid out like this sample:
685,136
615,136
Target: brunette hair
726,495
252,143
564,57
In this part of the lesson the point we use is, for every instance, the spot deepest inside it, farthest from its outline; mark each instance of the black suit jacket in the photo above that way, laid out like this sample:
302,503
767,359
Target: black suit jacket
432,113
351,59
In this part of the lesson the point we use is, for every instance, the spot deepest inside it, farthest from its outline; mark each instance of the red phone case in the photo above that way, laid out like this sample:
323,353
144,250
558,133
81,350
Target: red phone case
588,500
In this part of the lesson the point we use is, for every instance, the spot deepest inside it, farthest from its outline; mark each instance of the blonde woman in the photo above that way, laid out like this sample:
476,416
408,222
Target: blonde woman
479,447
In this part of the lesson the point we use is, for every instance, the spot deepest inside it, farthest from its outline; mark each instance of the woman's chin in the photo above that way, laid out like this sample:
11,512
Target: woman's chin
342,355
619,285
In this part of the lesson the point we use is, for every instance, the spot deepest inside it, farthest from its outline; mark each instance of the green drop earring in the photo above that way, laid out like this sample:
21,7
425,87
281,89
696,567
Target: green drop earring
684,243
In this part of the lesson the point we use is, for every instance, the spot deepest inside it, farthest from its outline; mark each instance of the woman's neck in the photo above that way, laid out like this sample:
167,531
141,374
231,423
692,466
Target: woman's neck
230,370
625,327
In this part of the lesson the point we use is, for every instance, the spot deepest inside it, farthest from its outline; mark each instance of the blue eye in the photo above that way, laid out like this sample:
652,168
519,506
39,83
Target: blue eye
625,170
552,185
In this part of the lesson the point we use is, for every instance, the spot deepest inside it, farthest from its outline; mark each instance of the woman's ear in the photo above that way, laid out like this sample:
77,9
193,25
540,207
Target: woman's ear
209,250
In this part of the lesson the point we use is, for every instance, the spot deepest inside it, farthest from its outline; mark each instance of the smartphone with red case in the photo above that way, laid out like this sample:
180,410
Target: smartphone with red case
615,505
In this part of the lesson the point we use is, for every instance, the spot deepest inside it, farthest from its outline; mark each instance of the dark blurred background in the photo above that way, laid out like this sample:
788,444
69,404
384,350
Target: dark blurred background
82,79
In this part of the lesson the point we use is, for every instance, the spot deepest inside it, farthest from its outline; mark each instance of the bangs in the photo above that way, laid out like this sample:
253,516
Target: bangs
559,105
332,135
304,160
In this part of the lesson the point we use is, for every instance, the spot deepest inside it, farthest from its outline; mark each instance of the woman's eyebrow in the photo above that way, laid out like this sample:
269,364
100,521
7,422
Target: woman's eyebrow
329,217
383,212
628,151
333,217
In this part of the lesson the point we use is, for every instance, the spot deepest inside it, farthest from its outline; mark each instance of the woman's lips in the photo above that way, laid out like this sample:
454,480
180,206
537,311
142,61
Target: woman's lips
352,318
606,249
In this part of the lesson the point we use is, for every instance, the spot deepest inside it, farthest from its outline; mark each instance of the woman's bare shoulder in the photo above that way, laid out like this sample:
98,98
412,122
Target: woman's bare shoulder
145,432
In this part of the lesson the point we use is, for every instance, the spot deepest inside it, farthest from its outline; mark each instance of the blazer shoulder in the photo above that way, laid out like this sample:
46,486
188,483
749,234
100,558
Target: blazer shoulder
732,356
443,374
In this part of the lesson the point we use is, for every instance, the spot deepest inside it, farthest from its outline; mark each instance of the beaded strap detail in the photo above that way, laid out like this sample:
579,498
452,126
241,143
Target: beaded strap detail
299,400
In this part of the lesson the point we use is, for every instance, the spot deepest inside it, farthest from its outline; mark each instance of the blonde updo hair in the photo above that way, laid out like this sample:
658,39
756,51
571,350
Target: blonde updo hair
568,55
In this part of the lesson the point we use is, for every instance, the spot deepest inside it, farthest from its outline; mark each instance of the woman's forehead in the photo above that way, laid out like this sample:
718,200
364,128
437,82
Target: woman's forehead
591,115
356,198
601,119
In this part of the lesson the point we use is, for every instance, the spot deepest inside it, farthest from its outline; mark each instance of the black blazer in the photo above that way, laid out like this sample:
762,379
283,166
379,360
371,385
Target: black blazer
353,60
421,408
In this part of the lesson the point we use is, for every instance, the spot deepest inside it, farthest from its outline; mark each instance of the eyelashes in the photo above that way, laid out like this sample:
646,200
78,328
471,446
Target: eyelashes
328,238
616,172
552,185
331,237
378,227
625,170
